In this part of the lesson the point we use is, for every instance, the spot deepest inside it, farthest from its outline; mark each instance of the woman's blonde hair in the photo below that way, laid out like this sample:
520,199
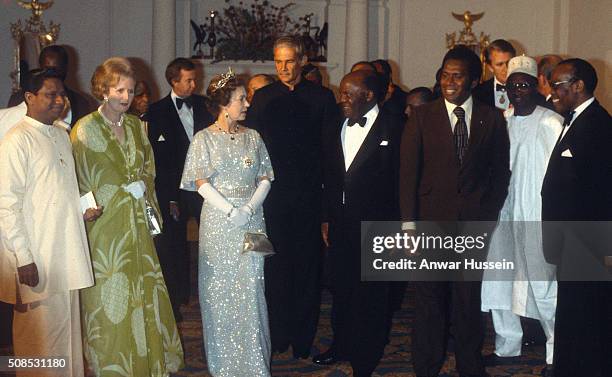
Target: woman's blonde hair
108,75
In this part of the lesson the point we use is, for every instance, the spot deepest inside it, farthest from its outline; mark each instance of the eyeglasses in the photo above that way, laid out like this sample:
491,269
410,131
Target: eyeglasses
557,84
518,86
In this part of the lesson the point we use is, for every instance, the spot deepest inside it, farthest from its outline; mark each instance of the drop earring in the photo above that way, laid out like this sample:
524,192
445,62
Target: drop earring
226,115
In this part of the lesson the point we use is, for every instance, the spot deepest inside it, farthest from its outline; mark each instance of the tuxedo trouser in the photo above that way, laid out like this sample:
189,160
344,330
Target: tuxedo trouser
583,329
50,327
509,334
6,323
173,250
292,278
431,326
359,310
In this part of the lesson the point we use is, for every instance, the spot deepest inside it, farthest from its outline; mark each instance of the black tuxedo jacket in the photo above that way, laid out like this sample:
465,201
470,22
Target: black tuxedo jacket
396,104
433,186
170,143
484,92
577,188
369,189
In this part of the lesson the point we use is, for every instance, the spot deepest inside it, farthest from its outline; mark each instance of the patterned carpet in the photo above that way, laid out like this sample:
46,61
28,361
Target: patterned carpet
396,361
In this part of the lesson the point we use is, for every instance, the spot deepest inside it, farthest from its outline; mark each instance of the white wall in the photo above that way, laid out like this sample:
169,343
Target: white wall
590,38
527,24
95,30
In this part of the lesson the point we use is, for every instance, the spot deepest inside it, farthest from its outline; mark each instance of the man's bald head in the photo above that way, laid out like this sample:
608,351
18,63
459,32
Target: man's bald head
363,66
358,93
257,82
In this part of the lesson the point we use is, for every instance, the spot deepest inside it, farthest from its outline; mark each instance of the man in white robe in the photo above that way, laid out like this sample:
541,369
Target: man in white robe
531,290
44,257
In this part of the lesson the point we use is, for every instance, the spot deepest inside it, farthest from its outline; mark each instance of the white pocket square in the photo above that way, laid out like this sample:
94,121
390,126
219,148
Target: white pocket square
384,143
566,153
161,138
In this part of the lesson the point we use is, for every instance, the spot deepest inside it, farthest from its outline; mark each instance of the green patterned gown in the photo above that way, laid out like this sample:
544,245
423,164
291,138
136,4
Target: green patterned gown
127,318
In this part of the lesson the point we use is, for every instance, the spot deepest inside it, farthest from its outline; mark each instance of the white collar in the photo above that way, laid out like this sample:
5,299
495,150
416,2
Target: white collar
36,123
174,96
44,128
578,110
496,82
370,116
466,106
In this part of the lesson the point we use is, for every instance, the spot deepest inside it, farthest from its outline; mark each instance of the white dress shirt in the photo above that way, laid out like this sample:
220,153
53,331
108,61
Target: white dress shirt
466,106
353,137
186,115
498,95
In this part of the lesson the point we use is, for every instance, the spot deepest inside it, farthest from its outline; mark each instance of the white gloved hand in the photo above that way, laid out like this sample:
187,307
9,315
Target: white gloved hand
215,199
136,189
263,188
239,217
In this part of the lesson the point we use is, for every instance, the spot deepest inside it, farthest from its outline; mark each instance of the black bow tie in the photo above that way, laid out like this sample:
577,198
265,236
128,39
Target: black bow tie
567,119
500,88
361,122
187,101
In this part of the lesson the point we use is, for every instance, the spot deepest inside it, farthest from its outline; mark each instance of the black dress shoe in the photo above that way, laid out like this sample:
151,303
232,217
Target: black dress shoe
492,360
548,371
328,357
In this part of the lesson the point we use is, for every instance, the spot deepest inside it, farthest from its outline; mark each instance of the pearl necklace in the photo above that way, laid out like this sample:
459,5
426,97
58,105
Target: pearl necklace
118,123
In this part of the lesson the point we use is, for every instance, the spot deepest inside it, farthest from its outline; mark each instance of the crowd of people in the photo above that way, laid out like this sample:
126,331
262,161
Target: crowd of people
285,158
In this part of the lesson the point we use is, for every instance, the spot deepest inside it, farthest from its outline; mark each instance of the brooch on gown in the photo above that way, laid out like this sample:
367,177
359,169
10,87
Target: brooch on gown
248,162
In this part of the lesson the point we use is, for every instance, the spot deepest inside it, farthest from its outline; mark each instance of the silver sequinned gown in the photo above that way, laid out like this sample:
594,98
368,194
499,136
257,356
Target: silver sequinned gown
231,284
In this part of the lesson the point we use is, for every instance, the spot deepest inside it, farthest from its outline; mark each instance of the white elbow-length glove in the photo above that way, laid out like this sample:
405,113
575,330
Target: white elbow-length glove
238,217
260,194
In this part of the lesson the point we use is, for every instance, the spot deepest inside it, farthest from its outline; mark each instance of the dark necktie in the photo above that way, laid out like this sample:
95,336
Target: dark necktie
500,88
180,101
566,122
361,122
460,135
568,118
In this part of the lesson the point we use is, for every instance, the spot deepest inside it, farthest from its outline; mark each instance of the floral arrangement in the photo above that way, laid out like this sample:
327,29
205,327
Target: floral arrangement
248,32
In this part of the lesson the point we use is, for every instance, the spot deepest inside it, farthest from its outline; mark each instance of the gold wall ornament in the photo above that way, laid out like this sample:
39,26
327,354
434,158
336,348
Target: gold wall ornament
32,33
467,36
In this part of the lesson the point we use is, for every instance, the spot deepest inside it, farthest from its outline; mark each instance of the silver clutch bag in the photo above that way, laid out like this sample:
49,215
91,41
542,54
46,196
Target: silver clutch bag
257,243
152,222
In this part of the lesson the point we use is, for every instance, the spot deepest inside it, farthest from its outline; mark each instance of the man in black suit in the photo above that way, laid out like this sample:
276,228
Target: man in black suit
173,121
56,57
493,91
361,181
576,188
394,99
292,115
454,166
546,65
